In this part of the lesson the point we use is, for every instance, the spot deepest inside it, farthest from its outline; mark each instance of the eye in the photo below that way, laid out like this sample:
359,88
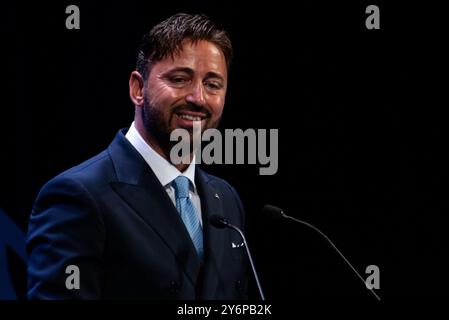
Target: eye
214,85
178,80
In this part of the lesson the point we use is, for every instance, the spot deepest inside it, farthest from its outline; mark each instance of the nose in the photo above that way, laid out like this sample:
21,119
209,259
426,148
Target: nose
197,95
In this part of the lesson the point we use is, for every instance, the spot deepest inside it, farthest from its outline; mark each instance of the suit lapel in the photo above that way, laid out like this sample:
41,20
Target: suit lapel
214,239
139,188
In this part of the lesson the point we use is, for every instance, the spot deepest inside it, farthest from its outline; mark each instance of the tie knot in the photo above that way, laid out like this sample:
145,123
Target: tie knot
181,185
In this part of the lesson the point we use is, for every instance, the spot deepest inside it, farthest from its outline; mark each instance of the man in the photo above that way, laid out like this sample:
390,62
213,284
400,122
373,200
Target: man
129,223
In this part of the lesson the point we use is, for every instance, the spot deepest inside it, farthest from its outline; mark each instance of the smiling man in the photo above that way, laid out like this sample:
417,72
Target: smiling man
187,85
130,224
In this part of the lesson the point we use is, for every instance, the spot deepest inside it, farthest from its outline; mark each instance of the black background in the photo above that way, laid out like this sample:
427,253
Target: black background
361,154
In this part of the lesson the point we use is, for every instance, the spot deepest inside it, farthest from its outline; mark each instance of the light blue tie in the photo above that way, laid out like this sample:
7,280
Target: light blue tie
188,213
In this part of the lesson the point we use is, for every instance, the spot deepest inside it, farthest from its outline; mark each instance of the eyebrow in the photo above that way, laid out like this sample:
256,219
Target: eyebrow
189,71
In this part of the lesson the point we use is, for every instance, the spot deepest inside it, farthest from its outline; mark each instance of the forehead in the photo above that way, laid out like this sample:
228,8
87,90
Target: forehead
200,56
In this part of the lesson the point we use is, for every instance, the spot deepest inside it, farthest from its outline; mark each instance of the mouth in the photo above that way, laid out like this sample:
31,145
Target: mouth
190,117
186,118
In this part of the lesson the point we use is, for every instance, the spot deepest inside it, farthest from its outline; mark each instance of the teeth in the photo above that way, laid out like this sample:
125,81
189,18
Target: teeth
188,117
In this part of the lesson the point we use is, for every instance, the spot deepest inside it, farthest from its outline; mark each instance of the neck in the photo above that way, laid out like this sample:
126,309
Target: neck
163,152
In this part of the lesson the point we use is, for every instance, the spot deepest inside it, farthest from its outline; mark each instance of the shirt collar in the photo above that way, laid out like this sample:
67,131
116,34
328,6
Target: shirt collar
164,170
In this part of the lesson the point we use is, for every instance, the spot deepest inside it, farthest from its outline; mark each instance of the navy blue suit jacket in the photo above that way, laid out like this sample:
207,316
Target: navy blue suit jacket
112,218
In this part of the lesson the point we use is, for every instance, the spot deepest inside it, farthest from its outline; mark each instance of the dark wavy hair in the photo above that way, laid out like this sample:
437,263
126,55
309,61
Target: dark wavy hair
166,39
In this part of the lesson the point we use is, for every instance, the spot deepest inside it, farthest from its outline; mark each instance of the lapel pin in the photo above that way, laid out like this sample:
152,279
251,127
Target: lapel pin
217,196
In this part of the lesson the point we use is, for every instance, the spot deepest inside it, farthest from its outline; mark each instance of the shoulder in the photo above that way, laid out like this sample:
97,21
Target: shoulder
78,185
86,175
89,170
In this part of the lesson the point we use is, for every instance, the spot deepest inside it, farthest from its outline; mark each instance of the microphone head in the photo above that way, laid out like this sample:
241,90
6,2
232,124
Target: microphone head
218,221
273,211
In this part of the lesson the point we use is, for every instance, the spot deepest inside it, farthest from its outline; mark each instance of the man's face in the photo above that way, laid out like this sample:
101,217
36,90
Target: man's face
190,86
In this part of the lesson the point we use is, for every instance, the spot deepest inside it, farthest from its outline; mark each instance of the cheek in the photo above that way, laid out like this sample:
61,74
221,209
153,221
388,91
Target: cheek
161,96
217,105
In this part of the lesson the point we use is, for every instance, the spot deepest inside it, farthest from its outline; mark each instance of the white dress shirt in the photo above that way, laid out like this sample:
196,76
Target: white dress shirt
164,170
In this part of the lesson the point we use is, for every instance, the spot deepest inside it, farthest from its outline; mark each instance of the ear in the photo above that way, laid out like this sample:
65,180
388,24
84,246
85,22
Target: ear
136,84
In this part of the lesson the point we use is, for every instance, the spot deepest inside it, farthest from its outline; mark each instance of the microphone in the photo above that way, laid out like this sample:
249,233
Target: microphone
221,223
278,214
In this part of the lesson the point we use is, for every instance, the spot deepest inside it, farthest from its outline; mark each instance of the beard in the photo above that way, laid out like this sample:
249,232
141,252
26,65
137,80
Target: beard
153,121
160,131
